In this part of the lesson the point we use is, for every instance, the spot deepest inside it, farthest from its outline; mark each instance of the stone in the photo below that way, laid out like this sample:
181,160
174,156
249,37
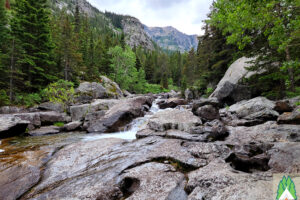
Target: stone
153,181
88,91
33,118
217,180
12,126
112,169
257,110
72,126
50,106
79,112
182,120
11,109
203,102
208,113
171,103
120,115
112,88
290,117
45,130
211,131
48,118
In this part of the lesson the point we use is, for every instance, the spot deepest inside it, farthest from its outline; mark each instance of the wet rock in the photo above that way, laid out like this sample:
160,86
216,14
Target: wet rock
182,120
120,114
45,130
207,113
217,180
112,89
171,103
49,106
11,126
291,117
22,171
153,181
72,126
79,112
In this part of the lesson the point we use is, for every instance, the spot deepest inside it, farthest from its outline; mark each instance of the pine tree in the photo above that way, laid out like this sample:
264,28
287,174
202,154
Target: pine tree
33,31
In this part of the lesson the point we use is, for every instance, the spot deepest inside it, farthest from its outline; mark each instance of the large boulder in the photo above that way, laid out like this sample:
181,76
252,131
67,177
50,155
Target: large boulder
49,118
45,130
79,112
120,114
257,110
11,126
88,91
11,109
50,106
182,120
207,113
228,89
112,88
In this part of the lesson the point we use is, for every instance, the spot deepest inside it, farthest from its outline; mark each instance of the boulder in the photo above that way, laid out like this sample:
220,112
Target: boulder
48,118
203,102
78,112
11,126
120,114
33,118
182,120
88,91
50,106
11,109
290,117
72,126
112,89
283,106
45,130
207,113
171,103
257,110
228,89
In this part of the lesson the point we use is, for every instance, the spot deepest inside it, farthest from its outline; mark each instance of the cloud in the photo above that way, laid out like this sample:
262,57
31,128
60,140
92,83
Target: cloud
185,15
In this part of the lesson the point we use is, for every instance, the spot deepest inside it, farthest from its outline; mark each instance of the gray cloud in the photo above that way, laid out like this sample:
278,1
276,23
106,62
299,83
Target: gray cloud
185,15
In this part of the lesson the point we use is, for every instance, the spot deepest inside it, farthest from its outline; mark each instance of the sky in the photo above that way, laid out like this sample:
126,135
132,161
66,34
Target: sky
184,15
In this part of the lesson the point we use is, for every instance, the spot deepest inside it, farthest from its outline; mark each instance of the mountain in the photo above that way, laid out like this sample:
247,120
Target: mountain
136,34
170,38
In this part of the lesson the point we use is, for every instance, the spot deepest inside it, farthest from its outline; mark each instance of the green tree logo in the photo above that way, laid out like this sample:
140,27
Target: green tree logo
286,189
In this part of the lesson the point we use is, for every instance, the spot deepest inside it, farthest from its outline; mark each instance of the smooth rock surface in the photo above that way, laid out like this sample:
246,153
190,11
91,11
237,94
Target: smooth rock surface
45,130
182,120
208,113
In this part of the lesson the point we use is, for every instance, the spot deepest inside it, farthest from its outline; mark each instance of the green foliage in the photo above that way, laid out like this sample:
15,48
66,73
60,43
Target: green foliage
4,99
28,100
59,124
60,92
208,91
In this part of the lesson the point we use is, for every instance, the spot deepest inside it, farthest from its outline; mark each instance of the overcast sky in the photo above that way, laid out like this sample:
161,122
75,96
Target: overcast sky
185,15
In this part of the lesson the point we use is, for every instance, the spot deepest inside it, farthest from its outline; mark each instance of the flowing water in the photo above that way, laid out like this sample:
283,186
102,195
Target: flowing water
19,144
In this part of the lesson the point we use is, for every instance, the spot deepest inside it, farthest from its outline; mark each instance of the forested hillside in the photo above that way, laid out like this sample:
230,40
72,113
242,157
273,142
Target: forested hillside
75,42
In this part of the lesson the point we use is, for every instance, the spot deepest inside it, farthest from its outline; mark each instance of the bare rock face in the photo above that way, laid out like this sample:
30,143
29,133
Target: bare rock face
72,126
182,120
112,89
49,106
88,91
11,126
120,115
208,113
45,130
135,34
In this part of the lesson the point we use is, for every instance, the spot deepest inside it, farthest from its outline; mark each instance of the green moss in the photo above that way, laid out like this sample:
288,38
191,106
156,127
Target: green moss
59,124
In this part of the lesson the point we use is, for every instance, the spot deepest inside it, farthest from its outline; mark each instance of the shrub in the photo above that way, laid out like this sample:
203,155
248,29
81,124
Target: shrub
28,100
60,92
59,124
4,99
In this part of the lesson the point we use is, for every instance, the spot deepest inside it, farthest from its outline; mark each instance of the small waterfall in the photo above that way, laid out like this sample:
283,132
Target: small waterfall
130,134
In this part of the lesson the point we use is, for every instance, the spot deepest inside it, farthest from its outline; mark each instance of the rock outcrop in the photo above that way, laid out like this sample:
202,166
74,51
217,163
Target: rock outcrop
11,126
